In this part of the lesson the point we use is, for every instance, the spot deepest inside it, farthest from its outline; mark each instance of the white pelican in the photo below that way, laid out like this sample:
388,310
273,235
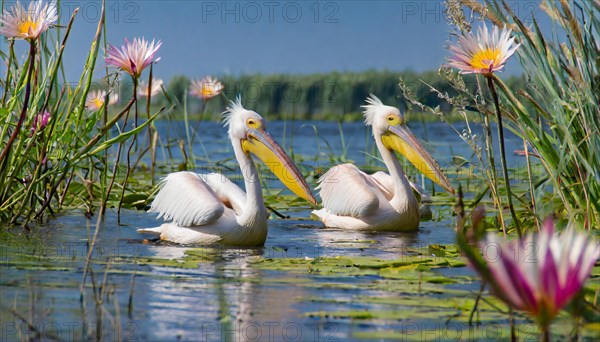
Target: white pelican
209,208
383,202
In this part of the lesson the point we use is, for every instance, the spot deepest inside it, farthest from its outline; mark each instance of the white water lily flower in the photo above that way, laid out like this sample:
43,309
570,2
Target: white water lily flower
484,53
95,99
206,88
143,90
28,23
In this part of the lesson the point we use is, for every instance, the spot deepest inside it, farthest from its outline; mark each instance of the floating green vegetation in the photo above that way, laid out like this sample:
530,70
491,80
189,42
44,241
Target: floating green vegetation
362,265
424,287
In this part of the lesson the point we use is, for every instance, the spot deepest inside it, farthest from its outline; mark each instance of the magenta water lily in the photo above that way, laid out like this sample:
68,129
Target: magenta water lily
543,282
133,57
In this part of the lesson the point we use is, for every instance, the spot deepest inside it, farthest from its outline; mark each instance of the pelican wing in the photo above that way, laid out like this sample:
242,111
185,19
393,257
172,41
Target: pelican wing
228,192
186,199
384,182
345,190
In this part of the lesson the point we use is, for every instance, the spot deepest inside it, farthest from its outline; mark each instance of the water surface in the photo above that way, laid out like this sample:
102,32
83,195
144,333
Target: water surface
144,290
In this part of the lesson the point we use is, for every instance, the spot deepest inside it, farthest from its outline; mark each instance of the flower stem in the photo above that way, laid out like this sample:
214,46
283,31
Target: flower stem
494,184
11,54
511,319
118,155
545,334
14,135
151,126
133,141
503,156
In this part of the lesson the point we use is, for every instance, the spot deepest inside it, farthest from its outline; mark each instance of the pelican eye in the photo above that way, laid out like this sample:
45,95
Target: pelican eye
394,120
253,123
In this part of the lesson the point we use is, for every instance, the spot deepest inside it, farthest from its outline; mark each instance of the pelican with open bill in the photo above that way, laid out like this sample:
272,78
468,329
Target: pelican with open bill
209,208
354,200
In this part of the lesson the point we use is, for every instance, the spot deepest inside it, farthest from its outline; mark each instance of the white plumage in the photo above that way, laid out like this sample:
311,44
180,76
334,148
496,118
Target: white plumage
209,208
354,200
360,193
180,197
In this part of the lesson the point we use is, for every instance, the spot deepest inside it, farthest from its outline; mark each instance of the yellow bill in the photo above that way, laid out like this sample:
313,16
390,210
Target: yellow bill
261,144
399,138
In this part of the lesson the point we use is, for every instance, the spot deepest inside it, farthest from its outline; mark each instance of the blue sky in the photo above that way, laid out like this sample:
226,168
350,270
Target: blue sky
233,37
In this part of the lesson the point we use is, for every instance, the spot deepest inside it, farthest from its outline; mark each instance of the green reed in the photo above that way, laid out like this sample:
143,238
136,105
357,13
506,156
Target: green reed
556,111
559,114
64,163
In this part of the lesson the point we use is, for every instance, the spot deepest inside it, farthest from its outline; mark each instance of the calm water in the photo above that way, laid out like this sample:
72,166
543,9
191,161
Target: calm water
440,140
225,297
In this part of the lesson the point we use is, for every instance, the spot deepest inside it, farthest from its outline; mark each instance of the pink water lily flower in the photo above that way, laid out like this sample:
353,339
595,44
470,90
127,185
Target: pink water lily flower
28,23
133,57
485,53
206,88
541,274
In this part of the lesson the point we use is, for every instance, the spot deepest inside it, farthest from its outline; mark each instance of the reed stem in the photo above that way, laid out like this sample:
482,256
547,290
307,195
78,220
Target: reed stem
14,135
511,207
